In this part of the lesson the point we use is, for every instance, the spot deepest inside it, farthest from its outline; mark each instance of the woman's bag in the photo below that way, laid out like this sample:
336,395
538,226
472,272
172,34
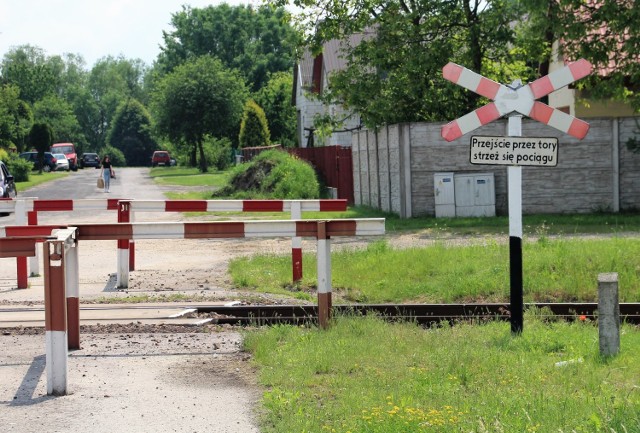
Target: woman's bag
113,174
100,182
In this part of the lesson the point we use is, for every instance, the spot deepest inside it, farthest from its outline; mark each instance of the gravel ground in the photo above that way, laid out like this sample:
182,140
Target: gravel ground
131,382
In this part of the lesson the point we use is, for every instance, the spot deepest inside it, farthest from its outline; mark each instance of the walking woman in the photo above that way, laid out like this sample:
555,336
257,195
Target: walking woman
107,172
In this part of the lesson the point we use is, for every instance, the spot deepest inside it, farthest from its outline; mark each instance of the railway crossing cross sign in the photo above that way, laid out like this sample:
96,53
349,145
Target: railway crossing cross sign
507,99
514,101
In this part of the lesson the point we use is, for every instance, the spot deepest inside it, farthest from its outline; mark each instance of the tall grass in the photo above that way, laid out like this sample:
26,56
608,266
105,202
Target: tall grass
553,270
363,375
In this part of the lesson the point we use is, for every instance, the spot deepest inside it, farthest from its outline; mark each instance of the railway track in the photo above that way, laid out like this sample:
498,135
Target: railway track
199,315
420,313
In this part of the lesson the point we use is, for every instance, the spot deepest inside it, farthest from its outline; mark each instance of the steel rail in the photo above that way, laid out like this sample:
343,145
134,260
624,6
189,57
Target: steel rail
420,313
424,314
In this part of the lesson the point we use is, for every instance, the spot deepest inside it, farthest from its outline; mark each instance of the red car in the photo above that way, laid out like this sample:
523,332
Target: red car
160,157
69,151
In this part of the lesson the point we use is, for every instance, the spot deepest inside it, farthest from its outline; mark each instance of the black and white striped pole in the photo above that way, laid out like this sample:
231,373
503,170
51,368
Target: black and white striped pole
514,101
514,180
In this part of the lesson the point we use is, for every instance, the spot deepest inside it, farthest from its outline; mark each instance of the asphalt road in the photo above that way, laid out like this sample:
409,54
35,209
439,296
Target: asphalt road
130,182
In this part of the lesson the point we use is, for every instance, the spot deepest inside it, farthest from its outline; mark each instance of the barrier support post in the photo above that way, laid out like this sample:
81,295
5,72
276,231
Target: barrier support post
55,318
122,279
22,270
324,276
72,281
34,262
132,244
296,244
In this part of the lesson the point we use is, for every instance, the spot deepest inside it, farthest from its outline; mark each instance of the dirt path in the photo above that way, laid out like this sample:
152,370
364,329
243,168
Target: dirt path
131,383
128,379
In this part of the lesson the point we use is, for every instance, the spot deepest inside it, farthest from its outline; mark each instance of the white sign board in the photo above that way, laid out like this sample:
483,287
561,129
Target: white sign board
487,150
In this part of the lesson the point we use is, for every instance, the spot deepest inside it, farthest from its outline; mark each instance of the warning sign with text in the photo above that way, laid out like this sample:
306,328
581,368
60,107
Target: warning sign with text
514,151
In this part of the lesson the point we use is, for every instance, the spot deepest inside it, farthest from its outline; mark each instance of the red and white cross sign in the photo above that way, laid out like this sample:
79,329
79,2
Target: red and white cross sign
522,100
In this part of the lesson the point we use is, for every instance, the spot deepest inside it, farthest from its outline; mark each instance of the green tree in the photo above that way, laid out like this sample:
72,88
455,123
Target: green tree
256,41
115,155
55,111
395,52
199,98
28,68
131,133
16,118
254,130
605,33
275,100
40,138
111,82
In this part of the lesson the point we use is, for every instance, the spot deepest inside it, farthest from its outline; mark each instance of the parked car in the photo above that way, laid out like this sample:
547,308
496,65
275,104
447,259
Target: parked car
50,162
90,160
160,157
69,151
62,163
7,185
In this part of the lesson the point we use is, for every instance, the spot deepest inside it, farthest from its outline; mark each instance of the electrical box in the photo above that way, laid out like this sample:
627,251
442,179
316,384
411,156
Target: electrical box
444,192
475,195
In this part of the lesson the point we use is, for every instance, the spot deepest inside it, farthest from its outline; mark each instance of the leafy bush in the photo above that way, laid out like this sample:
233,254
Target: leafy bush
218,152
115,155
254,131
18,167
272,174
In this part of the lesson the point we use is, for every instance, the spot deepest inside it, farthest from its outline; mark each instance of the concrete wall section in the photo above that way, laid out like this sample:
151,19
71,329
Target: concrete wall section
629,128
581,182
395,168
384,169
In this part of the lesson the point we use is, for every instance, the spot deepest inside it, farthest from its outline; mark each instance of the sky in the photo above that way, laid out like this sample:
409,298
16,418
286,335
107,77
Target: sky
93,28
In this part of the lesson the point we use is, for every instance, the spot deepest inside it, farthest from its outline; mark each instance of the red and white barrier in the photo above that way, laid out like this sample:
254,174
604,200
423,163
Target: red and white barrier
329,205
26,211
295,207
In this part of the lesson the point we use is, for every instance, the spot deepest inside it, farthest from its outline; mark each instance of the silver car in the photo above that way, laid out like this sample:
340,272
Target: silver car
62,163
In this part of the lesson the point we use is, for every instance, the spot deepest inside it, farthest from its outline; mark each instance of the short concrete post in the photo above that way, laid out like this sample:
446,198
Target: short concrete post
324,276
608,314
55,313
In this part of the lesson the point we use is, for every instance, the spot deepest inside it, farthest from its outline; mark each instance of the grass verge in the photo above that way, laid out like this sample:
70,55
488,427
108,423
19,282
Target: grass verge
36,179
554,270
365,375
181,176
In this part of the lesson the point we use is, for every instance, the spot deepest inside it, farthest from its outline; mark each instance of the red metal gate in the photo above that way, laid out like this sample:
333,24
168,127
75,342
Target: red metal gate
334,164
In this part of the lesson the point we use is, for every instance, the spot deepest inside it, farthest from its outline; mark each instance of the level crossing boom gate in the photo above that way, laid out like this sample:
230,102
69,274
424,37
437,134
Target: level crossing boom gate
26,211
